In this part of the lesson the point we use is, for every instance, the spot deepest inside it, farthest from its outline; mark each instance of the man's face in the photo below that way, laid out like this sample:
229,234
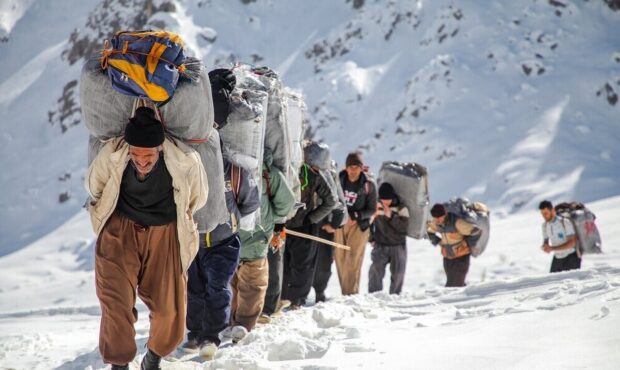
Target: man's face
547,214
144,158
439,220
353,172
386,203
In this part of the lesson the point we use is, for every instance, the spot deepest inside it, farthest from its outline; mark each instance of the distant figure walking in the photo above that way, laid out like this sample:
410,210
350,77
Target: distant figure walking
559,237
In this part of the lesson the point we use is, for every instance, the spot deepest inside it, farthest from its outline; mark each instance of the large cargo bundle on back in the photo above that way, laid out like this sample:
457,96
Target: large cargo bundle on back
215,211
186,115
588,237
317,155
410,182
475,213
244,133
295,111
277,137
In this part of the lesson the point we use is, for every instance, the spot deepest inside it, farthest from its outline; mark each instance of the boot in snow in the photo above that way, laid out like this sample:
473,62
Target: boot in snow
120,367
207,349
191,346
150,361
238,332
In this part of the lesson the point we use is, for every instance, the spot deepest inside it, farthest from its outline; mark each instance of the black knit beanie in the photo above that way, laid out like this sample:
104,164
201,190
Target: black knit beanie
144,130
438,210
386,191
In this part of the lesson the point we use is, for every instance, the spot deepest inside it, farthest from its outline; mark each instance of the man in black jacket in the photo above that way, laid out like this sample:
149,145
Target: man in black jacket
389,242
325,254
360,194
300,253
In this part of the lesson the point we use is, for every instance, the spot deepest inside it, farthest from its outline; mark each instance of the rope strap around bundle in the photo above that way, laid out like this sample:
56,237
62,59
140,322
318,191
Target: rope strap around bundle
145,103
316,238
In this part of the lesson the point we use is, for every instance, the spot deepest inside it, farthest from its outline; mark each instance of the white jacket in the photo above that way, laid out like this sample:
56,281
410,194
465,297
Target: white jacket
189,180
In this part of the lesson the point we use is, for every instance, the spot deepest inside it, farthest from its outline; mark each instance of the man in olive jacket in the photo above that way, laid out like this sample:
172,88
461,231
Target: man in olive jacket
249,283
144,191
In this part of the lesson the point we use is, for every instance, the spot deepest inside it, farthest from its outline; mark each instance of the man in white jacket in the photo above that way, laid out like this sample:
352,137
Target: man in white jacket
144,191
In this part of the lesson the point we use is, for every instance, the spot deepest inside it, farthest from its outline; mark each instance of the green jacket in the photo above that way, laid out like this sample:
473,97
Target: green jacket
254,244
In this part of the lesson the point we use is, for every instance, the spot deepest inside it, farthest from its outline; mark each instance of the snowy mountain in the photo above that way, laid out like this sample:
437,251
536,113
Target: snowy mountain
504,102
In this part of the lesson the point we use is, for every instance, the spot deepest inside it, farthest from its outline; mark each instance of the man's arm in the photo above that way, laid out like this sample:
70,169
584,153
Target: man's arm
98,172
328,197
570,243
249,199
371,202
283,198
198,185
471,233
400,220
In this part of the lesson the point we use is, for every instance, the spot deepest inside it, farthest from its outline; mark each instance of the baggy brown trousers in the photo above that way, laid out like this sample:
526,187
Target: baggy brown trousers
249,286
131,257
349,263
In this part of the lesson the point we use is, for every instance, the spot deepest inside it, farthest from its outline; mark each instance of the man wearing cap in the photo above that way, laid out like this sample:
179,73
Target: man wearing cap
457,238
389,241
360,194
144,191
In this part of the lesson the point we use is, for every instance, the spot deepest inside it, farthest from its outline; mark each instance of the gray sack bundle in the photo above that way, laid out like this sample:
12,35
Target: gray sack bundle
475,213
277,137
588,237
410,182
317,155
188,116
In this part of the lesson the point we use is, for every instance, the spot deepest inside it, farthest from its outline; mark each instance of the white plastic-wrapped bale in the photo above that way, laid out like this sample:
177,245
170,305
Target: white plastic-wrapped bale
295,111
277,137
588,236
244,133
476,213
410,182
214,211
187,116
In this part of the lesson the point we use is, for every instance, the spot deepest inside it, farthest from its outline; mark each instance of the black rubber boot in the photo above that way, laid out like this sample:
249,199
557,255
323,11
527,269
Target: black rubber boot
120,367
150,361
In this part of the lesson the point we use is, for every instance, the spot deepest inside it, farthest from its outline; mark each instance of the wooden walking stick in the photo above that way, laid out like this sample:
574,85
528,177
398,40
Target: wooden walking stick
316,238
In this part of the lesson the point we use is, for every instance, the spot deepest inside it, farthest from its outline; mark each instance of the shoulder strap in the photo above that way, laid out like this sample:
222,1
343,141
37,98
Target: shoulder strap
266,177
235,181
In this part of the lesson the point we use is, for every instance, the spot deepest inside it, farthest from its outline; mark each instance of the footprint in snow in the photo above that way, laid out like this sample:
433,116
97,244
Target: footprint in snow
602,313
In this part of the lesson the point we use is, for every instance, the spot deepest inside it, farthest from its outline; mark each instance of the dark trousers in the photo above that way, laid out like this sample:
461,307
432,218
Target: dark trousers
570,262
396,256
299,266
274,287
456,270
208,290
324,261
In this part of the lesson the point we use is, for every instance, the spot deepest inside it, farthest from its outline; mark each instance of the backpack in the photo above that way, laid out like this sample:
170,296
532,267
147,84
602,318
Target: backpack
588,237
144,64
475,213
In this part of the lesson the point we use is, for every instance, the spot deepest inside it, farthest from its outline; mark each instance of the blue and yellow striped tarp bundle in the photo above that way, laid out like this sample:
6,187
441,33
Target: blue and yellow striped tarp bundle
144,64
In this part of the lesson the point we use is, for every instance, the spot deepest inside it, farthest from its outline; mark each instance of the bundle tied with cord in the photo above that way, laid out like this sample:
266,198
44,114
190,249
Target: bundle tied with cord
149,68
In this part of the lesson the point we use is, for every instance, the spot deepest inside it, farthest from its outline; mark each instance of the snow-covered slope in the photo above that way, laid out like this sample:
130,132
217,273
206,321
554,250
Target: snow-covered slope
512,315
505,102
